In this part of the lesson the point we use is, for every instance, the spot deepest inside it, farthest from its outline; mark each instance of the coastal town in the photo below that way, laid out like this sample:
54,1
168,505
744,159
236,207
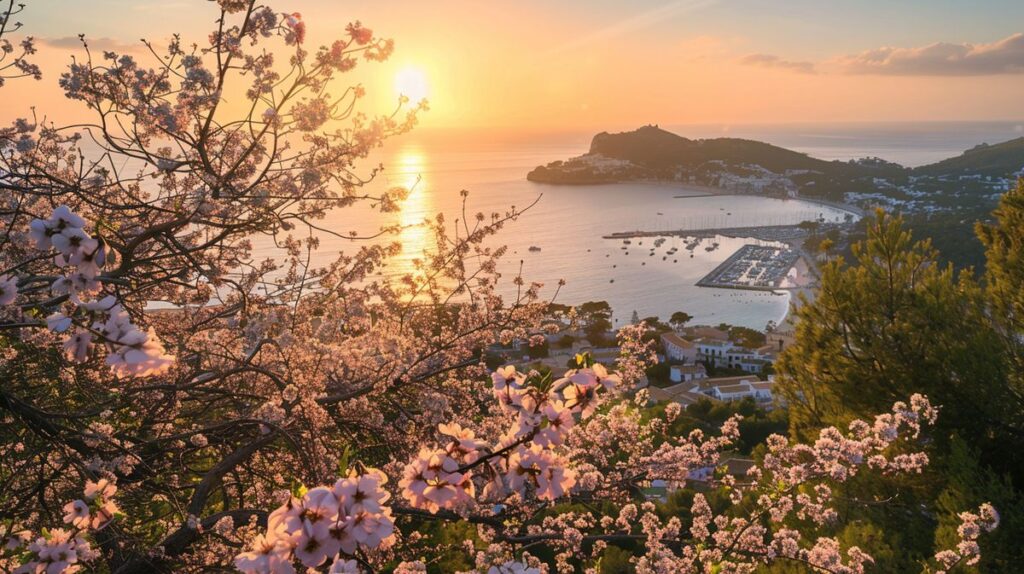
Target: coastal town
717,364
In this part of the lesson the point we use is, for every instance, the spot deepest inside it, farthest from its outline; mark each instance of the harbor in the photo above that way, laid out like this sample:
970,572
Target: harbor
783,233
753,267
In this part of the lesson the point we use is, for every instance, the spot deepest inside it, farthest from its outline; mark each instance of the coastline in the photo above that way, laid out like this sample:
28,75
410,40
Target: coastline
784,324
707,190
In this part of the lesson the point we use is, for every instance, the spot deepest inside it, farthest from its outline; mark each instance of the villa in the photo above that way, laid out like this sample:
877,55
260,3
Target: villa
687,373
678,348
722,389
728,354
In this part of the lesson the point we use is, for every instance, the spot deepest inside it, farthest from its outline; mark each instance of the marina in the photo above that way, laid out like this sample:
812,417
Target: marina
784,233
755,267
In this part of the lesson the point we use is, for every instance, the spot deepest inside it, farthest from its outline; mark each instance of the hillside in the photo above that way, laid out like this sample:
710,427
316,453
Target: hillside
656,148
741,165
999,160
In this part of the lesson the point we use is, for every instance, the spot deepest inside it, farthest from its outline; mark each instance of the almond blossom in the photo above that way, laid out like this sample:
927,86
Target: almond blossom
8,289
59,550
323,524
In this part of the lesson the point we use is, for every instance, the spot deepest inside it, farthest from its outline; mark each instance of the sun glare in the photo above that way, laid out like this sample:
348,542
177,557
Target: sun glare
411,82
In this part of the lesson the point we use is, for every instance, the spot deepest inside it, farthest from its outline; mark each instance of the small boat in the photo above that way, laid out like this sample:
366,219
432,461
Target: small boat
534,248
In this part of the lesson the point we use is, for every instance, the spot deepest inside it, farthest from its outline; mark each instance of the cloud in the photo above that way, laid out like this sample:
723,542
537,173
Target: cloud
73,42
772,61
1005,56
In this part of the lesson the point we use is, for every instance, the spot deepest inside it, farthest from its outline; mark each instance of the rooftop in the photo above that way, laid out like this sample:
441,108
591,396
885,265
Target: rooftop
689,368
725,381
676,340
734,388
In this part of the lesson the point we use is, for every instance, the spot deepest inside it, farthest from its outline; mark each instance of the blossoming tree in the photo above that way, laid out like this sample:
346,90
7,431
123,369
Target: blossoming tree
173,401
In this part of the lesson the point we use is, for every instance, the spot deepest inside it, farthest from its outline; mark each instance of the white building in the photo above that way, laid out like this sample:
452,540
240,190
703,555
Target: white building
737,388
728,354
678,348
687,373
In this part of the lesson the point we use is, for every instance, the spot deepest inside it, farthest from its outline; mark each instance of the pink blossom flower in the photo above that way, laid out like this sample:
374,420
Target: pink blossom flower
8,289
266,556
342,566
359,34
78,346
58,322
76,513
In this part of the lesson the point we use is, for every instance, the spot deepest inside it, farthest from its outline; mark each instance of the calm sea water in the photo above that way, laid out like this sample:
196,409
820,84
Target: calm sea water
568,222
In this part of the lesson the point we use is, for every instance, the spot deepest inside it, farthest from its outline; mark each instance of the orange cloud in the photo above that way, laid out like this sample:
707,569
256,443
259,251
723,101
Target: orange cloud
772,61
1005,56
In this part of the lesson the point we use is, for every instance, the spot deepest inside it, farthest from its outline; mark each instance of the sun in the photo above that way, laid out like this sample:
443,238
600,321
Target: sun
411,82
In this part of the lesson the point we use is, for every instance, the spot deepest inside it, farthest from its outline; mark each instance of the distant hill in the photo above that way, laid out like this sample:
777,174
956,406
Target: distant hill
998,160
942,200
652,153
656,148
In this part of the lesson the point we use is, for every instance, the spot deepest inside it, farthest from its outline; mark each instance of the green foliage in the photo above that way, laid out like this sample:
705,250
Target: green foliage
615,560
538,351
1004,249
968,485
658,374
997,160
447,539
747,337
597,320
679,319
893,324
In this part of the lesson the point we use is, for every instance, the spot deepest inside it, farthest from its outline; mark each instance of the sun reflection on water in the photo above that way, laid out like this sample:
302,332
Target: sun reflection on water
415,237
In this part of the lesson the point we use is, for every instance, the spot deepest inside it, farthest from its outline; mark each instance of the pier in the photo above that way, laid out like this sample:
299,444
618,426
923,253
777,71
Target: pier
783,233
753,267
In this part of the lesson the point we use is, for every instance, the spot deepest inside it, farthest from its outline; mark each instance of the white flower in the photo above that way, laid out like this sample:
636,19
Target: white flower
269,555
102,488
512,567
71,240
76,514
8,289
342,566
58,322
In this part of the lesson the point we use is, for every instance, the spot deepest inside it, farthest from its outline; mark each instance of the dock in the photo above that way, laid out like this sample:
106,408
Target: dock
752,267
782,233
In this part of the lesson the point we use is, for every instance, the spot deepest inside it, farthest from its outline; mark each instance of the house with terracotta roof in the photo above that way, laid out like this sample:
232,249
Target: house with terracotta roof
687,373
678,348
705,332
682,393
738,388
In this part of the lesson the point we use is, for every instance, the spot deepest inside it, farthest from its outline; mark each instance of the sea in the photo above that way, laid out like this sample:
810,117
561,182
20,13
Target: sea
565,225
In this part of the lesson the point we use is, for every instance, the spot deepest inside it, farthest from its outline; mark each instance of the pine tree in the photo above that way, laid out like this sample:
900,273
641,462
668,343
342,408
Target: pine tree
894,323
1004,277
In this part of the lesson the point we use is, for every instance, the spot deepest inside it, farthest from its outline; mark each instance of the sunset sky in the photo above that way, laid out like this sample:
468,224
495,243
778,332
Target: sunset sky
603,64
